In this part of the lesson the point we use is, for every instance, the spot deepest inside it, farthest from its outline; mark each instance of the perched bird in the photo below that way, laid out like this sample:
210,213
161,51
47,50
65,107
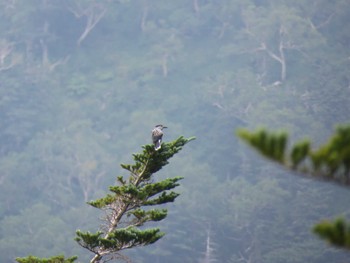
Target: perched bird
157,134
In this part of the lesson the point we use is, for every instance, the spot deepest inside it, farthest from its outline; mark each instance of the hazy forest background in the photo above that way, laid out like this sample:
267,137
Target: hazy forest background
82,83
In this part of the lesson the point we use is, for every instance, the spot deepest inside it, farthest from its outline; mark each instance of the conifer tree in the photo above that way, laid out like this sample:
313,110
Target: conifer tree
330,162
128,207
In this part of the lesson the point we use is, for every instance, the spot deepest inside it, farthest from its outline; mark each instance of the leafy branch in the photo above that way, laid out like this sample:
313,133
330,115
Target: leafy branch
330,162
127,207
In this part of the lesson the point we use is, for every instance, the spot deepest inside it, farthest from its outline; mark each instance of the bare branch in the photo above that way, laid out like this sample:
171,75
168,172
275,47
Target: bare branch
93,14
6,53
46,61
61,61
196,6
323,23
144,15
165,65
280,58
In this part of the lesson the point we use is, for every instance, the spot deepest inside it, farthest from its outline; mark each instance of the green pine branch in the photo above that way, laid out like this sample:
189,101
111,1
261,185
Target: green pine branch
55,259
330,162
126,205
336,232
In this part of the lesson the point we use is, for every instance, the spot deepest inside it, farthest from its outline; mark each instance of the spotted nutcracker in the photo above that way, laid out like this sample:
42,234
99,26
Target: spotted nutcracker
157,134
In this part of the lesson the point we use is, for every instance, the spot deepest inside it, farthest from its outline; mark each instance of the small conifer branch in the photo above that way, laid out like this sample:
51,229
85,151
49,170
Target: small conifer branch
336,232
330,162
55,259
139,177
124,206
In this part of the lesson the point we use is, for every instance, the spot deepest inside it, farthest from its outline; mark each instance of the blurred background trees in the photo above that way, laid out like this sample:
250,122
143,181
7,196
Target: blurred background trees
83,83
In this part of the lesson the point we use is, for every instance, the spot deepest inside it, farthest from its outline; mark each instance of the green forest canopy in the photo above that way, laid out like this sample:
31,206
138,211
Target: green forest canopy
82,83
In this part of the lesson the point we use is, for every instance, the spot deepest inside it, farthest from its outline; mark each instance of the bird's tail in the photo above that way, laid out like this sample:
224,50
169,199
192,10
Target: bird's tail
157,145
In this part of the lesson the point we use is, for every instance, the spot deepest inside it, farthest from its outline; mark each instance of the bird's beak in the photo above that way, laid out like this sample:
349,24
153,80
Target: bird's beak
165,127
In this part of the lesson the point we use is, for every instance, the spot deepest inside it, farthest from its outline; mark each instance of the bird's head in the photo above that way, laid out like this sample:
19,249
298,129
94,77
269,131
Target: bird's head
160,126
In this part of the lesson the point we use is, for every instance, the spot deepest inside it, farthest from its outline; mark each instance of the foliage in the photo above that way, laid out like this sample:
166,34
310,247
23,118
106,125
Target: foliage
330,162
82,81
336,232
56,259
125,208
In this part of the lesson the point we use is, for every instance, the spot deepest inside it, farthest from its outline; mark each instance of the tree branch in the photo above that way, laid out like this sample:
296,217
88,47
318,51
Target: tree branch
93,14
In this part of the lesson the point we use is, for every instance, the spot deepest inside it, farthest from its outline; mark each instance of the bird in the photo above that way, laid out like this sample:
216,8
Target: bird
157,134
